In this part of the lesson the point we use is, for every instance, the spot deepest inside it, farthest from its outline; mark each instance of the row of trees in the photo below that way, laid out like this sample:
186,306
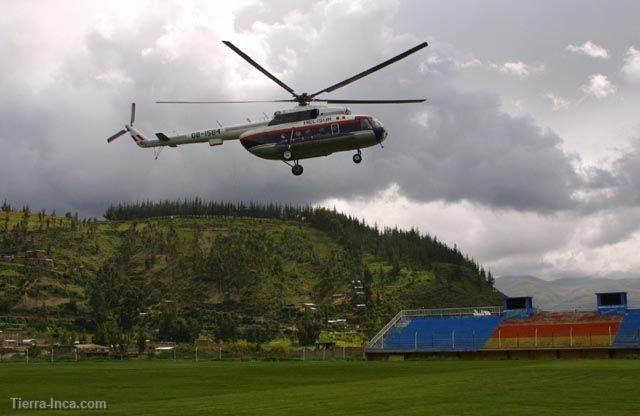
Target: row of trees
407,247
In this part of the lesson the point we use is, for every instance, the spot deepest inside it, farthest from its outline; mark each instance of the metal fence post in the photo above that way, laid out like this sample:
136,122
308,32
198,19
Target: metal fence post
415,340
536,338
51,354
220,353
196,353
610,339
453,339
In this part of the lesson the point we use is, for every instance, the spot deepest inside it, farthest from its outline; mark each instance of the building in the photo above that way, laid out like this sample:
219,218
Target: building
514,329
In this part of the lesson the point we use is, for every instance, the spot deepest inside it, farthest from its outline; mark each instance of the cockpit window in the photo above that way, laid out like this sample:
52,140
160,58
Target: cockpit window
376,123
365,124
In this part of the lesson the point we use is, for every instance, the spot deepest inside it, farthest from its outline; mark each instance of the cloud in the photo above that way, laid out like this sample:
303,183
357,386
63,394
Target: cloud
599,86
557,102
469,63
500,185
442,64
631,67
590,49
518,68
113,76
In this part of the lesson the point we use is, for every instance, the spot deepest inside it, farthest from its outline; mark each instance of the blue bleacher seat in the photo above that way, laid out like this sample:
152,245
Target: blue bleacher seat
628,335
466,333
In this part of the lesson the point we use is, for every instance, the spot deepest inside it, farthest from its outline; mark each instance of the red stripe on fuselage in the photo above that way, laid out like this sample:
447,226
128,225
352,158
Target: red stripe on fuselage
303,127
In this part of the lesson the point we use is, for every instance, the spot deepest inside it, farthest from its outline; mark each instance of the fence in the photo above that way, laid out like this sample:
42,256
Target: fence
69,354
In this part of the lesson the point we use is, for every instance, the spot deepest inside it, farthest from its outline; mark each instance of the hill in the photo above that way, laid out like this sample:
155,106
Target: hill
180,270
567,293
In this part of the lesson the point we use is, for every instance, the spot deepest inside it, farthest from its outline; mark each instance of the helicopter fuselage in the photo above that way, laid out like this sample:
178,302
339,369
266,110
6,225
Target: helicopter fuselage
294,134
313,138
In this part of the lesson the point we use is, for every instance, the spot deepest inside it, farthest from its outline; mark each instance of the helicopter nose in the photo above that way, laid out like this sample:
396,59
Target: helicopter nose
380,133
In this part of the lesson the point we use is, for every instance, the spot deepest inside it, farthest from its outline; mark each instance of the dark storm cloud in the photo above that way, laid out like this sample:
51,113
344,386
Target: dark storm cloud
470,149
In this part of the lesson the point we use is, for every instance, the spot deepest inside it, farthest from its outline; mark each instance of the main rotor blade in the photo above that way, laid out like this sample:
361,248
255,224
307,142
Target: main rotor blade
259,68
133,113
418,100
115,136
225,102
373,69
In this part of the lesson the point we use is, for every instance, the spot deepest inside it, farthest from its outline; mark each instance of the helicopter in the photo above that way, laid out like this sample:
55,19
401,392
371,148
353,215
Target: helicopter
312,129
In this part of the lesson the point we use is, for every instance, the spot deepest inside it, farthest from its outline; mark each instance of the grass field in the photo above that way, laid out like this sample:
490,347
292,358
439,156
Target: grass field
546,387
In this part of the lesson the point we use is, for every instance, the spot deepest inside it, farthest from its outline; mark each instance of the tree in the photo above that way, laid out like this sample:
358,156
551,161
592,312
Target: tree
308,329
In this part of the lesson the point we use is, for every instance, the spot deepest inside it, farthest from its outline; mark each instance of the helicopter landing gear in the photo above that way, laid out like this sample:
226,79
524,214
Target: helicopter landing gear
297,169
357,158
286,155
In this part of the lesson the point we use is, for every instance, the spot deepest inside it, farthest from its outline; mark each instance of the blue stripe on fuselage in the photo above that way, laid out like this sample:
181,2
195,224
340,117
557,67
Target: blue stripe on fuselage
282,136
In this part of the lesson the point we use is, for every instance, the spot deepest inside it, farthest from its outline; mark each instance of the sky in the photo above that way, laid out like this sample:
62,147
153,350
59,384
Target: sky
526,154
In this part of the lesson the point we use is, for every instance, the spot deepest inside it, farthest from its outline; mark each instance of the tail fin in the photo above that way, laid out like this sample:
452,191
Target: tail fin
137,137
135,134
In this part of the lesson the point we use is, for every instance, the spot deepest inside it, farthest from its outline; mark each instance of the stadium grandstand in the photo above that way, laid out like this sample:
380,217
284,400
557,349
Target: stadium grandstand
515,329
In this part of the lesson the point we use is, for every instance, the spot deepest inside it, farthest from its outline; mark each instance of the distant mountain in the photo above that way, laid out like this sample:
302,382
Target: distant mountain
567,293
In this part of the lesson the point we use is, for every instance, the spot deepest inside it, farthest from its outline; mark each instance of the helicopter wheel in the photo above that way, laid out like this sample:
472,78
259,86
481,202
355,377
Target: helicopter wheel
286,155
297,169
357,158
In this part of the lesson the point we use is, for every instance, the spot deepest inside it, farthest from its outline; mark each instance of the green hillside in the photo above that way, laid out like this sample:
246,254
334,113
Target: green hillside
178,271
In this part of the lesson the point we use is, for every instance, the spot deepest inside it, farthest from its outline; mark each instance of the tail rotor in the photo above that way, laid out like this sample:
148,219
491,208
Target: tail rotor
127,128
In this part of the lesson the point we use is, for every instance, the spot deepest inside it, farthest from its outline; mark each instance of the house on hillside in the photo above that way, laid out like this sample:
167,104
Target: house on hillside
40,258
12,335
43,260
91,350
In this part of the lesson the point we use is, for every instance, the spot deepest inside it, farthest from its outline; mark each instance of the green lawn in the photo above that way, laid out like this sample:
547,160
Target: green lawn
163,387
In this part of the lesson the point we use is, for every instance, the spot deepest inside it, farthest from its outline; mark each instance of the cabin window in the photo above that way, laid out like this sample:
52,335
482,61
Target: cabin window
293,117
